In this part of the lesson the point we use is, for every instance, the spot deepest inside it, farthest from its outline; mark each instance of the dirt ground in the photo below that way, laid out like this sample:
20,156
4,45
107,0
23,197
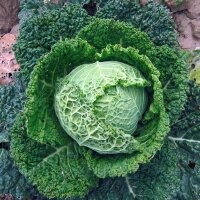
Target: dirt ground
187,18
8,64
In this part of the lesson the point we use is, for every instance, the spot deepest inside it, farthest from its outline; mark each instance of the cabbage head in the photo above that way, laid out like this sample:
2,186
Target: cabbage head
94,109
99,105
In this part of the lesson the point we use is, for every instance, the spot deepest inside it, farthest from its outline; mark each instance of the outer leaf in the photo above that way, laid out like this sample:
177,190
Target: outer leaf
185,135
38,34
157,180
174,78
31,8
12,97
102,32
118,10
4,138
39,108
11,102
153,18
57,170
173,71
11,181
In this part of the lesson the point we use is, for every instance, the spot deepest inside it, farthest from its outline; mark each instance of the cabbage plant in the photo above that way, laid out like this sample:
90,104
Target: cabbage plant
95,108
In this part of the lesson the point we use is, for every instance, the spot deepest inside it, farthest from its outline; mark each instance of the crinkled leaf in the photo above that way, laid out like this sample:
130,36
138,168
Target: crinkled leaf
102,32
38,34
186,137
153,18
12,99
32,8
39,108
174,78
11,181
156,180
57,170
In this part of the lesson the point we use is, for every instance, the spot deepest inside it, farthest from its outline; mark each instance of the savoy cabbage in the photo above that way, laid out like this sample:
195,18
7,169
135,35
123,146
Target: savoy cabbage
60,83
44,152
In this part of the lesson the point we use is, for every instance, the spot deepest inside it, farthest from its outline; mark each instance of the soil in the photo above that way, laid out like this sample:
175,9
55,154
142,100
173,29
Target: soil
8,14
8,64
187,18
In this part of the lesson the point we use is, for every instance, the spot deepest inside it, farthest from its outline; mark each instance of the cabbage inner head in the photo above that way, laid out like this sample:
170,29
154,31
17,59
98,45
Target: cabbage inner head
101,99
